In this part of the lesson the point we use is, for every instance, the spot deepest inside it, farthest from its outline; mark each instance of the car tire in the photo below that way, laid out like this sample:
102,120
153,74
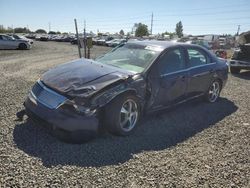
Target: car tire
122,115
22,46
213,92
234,70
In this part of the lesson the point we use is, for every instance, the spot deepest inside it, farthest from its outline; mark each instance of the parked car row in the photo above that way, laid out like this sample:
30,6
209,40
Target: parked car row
115,42
57,38
14,42
103,41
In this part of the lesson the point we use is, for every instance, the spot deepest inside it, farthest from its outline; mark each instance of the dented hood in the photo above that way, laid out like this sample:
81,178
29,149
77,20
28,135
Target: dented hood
82,78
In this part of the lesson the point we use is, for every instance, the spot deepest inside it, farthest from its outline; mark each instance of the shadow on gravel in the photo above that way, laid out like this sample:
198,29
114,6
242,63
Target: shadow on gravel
244,75
155,132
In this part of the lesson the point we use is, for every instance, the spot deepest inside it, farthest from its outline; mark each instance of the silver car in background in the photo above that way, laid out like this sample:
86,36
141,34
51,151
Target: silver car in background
20,37
8,42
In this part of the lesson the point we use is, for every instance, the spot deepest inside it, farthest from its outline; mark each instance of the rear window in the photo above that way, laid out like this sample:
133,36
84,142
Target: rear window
197,57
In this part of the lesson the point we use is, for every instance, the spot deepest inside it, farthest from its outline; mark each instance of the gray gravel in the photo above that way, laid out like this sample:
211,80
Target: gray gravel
193,145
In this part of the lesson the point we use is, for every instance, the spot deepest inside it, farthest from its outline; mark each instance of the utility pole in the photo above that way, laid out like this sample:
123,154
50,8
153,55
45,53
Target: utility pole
152,19
238,30
49,26
78,41
85,40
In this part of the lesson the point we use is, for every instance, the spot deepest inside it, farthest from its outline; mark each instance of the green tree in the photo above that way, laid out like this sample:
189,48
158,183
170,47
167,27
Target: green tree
21,30
142,30
58,32
42,31
171,34
179,29
52,32
121,32
4,30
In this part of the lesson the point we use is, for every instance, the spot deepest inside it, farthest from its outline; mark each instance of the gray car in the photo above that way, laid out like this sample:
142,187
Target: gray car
20,37
8,42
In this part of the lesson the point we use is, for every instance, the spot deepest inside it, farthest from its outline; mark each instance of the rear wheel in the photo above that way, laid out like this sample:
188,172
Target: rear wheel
22,46
122,115
234,70
213,92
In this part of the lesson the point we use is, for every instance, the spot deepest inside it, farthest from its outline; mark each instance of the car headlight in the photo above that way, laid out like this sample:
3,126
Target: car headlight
71,105
84,110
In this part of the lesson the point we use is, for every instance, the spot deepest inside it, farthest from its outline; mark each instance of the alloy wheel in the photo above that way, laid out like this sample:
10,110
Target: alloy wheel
214,91
128,115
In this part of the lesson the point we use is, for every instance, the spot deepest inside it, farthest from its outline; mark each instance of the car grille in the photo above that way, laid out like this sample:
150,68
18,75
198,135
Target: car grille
47,96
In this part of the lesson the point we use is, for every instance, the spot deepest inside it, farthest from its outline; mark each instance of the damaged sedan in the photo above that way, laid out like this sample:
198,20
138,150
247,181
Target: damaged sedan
115,90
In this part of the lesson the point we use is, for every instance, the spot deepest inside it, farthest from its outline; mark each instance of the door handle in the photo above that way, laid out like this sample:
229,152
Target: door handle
182,77
211,70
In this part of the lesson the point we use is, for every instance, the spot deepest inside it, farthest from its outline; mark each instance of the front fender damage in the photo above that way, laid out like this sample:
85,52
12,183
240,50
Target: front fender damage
135,87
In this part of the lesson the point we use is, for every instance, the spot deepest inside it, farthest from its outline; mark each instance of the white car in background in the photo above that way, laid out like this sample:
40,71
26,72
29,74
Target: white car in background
8,42
20,37
115,42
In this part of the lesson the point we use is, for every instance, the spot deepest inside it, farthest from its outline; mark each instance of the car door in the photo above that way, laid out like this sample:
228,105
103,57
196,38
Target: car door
9,42
168,80
12,42
3,43
201,71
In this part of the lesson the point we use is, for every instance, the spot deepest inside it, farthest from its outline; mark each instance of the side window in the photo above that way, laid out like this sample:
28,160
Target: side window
197,57
172,61
5,37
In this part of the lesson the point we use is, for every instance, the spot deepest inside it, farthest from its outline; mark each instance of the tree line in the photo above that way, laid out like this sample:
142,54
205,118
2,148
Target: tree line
26,30
140,30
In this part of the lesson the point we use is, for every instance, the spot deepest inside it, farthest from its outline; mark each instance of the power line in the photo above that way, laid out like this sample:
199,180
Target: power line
145,14
208,8
206,13
238,30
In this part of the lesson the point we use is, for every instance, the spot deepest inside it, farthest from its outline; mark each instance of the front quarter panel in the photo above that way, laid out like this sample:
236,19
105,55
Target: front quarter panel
222,69
136,86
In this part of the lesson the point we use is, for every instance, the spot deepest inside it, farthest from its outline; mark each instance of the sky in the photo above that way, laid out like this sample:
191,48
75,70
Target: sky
197,16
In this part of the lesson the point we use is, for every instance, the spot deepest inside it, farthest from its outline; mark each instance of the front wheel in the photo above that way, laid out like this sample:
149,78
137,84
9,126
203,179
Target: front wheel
122,115
22,46
213,92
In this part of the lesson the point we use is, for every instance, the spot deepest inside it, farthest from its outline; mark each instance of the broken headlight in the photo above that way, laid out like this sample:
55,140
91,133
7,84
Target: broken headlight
84,110
71,105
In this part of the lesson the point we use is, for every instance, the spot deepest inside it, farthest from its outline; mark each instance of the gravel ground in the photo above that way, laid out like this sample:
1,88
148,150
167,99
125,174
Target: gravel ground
193,145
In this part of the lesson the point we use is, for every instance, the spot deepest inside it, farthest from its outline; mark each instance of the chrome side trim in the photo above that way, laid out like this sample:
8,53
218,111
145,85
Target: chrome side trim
188,69
161,107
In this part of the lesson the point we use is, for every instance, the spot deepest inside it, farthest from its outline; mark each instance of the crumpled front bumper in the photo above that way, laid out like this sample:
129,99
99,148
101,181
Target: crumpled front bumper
61,119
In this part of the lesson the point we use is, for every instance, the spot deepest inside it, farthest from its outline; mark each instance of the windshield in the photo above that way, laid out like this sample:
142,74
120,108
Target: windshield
131,57
16,36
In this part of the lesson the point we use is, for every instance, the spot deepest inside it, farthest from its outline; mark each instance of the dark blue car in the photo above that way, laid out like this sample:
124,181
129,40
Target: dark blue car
116,89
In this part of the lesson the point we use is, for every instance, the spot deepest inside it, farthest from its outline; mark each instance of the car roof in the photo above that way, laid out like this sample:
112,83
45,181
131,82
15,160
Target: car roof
161,44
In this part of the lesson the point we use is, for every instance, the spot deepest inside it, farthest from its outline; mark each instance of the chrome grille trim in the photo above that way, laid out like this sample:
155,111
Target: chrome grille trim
46,96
